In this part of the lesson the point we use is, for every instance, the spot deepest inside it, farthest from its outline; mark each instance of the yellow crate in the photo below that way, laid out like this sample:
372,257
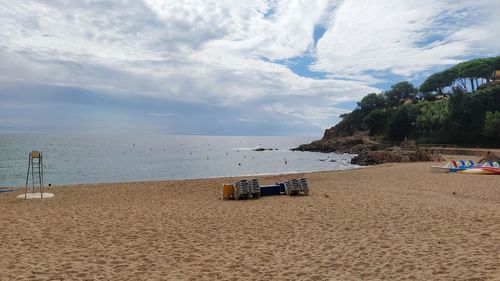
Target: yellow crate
227,191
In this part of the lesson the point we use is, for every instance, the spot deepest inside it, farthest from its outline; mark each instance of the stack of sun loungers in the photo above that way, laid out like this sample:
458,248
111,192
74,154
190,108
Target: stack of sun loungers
292,187
241,190
254,188
247,189
304,187
295,187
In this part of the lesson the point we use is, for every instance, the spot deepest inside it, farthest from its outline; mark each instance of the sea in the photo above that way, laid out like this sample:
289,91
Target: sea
80,159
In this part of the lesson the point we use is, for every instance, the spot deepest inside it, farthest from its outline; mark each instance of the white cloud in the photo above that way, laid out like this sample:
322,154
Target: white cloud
194,51
221,52
318,116
406,37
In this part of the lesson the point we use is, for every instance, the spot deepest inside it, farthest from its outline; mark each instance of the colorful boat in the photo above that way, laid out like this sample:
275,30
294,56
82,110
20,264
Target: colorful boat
493,170
476,171
444,169
463,165
491,164
468,167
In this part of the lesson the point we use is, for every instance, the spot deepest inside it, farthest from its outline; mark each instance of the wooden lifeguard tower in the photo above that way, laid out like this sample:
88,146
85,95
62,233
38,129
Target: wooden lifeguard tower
35,168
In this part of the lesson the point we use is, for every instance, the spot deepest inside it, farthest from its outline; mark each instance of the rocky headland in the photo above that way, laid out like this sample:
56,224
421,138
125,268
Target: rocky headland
369,151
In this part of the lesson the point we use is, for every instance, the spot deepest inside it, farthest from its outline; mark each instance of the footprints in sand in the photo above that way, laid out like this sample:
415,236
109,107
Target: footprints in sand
167,231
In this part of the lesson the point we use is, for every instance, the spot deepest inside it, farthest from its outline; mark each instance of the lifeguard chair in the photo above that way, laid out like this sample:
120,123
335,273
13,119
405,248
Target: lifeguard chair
35,168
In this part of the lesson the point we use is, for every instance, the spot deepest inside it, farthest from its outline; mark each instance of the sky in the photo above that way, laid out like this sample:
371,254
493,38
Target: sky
222,67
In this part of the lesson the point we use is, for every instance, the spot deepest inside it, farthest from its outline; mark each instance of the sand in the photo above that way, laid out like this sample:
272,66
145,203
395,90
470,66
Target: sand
388,222
35,195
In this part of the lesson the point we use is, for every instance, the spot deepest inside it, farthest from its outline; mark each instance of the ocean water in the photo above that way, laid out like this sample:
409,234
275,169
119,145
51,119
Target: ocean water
72,159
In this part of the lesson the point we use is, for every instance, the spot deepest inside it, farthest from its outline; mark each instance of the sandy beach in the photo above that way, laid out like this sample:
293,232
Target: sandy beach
388,222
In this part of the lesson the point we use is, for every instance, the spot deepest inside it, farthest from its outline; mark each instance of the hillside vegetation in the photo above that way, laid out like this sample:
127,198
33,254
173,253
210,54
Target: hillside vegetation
459,105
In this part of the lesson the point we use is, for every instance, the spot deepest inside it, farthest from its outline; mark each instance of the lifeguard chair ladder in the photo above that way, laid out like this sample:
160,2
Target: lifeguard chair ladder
36,169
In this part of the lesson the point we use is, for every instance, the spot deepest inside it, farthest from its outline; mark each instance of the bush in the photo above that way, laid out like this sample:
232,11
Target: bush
492,124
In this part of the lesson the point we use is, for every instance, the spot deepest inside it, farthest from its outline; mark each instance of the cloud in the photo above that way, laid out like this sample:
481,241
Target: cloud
319,116
198,51
221,60
161,114
368,39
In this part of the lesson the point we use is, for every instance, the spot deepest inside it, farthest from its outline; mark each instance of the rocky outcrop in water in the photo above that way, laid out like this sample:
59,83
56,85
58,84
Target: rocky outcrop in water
370,152
264,149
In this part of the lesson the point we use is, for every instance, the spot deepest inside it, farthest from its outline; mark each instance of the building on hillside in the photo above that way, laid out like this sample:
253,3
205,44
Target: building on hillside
495,79
441,97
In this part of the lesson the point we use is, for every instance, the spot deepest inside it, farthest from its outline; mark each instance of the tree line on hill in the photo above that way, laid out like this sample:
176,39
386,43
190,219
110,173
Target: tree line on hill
459,105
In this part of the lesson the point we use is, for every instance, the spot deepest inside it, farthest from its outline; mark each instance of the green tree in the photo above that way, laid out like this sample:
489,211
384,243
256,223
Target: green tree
400,91
351,123
398,127
473,70
438,81
376,121
493,62
432,118
492,124
371,102
467,114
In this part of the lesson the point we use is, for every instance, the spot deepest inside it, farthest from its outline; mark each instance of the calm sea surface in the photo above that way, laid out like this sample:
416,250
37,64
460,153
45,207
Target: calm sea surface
70,159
